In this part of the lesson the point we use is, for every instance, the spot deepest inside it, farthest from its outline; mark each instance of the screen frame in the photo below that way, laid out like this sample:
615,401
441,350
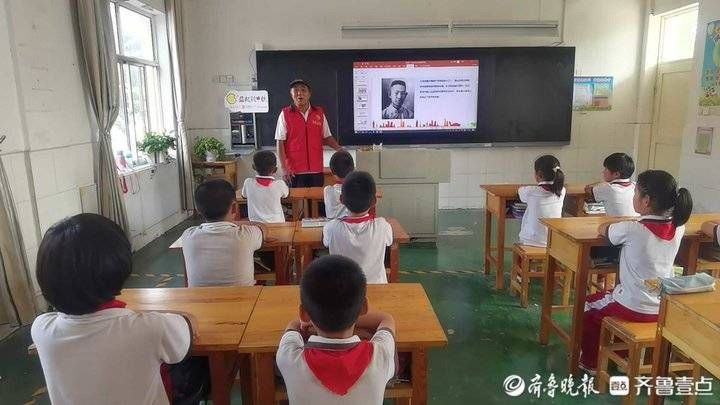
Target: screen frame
342,126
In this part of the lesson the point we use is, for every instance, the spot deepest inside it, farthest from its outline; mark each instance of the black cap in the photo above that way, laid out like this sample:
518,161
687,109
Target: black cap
299,81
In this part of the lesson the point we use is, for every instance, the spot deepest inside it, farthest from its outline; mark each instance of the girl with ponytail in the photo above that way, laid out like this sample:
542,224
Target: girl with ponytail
649,246
543,201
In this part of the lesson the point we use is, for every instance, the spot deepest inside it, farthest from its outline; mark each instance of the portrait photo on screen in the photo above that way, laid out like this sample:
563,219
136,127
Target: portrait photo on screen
398,99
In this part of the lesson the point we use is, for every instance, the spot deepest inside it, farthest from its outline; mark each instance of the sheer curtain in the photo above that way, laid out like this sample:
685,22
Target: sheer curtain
98,49
173,10
16,299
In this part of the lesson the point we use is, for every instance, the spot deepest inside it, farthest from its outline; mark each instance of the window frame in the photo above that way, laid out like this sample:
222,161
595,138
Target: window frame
124,61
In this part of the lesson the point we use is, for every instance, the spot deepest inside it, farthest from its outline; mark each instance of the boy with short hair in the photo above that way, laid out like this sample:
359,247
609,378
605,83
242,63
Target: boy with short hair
335,366
93,350
264,192
617,191
341,164
219,252
360,236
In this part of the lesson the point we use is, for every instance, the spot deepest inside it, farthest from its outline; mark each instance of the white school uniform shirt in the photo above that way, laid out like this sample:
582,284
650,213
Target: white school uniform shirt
263,200
362,239
643,256
540,204
333,207
220,254
305,389
617,197
112,356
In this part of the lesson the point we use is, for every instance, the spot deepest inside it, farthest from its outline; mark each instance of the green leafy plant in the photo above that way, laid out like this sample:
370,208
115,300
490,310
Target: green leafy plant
204,144
156,142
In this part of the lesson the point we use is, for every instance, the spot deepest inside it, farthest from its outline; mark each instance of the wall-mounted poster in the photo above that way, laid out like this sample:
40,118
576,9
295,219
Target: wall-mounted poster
710,81
593,93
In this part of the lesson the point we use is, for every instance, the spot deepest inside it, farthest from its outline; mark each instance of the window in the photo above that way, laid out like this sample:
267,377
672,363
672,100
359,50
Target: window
678,34
141,109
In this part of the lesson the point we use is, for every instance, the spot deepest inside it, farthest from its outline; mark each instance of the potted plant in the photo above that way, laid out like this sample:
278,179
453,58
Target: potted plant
156,146
209,149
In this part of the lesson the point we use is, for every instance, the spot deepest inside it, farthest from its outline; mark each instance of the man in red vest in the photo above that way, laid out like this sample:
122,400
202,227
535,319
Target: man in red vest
301,132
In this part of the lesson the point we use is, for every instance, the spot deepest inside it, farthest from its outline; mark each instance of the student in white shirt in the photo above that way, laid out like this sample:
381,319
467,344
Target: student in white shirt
543,201
263,192
219,252
617,190
649,246
712,229
335,366
360,236
341,164
93,350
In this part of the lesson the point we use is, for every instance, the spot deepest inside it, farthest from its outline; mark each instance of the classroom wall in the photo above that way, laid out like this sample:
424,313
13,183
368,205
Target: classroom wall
221,37
699,172
51,133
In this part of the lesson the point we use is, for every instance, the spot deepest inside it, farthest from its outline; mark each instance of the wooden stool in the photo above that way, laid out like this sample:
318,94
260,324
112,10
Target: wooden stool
529,262
634,338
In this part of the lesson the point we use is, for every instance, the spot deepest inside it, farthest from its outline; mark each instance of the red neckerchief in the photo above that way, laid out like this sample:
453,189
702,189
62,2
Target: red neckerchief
112,304
662,228
264,181
338,183
359,220
622,183
338,370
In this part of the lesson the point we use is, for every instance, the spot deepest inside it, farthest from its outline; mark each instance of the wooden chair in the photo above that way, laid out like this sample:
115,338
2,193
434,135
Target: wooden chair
528,263
708,266
625,344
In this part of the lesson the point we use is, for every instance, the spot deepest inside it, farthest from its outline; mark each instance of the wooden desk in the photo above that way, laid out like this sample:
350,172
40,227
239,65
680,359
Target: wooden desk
690,322
307,240
279,240
417,330
497,198
221,315
308,196
569,243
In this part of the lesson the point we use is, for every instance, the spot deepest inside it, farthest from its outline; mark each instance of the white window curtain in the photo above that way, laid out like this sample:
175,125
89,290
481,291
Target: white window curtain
98,50
173,10
16,299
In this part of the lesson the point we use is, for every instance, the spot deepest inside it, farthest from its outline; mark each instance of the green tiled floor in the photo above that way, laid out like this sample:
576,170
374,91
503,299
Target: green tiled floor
490,336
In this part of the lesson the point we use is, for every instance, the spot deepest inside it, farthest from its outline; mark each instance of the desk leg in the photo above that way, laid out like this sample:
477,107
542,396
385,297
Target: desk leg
419,377
548,293
661,356
314,208
222,369
281,267
306,253
263,378
581,280
296,204
692,256
500,263
488,233
394,263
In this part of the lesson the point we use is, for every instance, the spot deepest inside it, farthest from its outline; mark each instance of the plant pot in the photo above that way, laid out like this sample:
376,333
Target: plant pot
157,157
210,156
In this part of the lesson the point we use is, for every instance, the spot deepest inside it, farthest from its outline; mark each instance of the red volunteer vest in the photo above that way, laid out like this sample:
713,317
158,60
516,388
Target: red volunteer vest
304,142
